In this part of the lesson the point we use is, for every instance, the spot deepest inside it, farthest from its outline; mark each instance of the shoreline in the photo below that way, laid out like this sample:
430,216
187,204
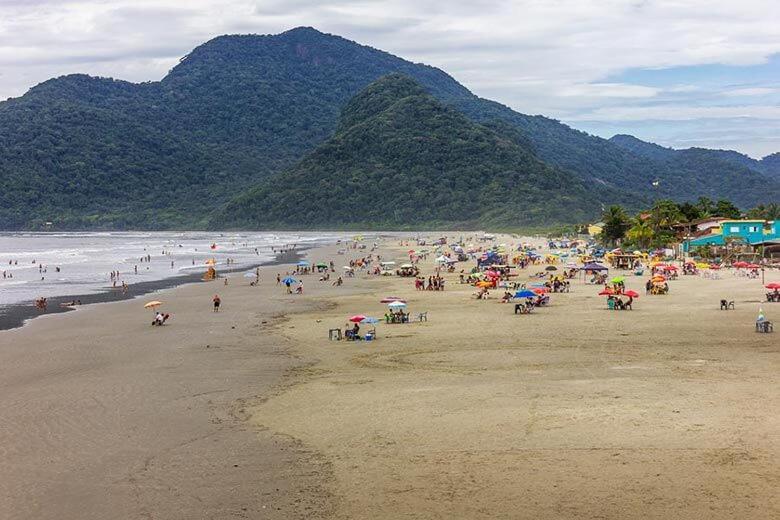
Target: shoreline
101,400
17,315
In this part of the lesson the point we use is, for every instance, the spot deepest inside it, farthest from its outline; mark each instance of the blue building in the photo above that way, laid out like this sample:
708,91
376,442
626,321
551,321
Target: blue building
751,232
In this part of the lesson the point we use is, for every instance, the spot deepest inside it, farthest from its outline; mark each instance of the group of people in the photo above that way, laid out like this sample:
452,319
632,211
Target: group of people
435,283
398,316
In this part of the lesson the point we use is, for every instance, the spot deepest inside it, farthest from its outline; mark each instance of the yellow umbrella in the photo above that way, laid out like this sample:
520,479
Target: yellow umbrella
152,304
484,284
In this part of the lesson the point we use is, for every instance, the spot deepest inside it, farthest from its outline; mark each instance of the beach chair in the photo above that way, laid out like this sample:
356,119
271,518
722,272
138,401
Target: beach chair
422,316
334,334
611,305
726,305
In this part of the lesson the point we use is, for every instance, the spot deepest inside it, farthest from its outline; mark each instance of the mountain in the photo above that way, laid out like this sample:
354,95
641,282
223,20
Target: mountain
711,172
402,158
85,152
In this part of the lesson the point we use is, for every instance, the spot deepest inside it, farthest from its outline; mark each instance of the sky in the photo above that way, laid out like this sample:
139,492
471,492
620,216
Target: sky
680,73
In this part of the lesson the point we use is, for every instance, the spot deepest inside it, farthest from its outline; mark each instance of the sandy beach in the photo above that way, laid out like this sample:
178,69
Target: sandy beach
670,410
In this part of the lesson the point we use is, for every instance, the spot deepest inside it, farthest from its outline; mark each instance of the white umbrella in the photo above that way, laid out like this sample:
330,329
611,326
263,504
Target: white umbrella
396,305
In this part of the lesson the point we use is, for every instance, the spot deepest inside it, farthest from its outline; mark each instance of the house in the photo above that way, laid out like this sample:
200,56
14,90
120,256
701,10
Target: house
595,229
751,232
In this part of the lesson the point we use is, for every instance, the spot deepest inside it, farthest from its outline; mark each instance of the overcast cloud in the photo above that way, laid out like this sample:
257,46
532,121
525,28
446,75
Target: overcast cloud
678,72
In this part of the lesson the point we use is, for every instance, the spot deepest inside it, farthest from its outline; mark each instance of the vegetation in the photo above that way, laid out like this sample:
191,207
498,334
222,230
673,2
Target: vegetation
86,152
401,158
655,227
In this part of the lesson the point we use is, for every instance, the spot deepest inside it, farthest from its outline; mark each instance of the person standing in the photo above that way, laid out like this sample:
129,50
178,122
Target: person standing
217,302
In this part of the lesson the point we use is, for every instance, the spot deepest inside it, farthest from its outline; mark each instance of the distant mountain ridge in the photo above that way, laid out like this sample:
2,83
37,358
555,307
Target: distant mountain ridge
768,166
86,152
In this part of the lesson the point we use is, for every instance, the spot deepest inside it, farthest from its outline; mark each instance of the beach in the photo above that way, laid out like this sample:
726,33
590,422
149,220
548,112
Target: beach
669,410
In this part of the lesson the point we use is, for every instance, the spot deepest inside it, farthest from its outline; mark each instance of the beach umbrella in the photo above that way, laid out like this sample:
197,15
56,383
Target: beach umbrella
658,278
442,259
357,318
369,320
617,279
152,304
525,293
540,290
322,264
750,266
391,299
550,268
406,266
740,264
396,305
484,284
211,262
773,285
289,279
250,274
303,263
632,294
607,292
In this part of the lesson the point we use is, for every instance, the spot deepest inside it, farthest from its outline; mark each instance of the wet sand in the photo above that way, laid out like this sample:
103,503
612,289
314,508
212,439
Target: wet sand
105,416
667,411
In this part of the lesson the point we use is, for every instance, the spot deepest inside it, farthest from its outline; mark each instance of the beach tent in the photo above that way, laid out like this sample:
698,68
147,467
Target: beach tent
594,267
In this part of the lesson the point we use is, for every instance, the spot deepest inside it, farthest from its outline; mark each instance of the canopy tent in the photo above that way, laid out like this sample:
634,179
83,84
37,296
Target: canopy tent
592,266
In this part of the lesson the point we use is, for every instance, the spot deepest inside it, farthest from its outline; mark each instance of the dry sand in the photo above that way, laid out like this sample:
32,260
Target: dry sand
667,411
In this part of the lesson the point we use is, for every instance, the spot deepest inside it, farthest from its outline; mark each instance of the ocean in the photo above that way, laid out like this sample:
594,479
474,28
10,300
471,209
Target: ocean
34,265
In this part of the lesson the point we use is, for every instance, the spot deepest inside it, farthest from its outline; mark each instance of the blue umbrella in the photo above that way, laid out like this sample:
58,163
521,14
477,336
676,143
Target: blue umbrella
525,294
303,263
289,280
369,320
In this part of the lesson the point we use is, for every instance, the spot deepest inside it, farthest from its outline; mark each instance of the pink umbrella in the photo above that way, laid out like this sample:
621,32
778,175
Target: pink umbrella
357,319
632,294
390,299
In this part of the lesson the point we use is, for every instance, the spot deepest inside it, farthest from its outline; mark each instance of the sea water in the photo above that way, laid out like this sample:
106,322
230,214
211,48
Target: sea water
85,260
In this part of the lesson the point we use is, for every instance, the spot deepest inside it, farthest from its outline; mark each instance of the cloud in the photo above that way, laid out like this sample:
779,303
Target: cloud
555,57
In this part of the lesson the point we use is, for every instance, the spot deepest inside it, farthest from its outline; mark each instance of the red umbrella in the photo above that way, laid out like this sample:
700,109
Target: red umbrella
357,319
541,290
632,294
753,266
740,264
670,268
773,285
607,292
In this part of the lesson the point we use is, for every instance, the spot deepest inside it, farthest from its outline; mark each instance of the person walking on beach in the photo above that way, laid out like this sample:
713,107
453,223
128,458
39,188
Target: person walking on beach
217,302
278,279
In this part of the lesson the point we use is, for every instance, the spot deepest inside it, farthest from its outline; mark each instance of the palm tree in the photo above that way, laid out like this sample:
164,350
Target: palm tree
641,233
616,222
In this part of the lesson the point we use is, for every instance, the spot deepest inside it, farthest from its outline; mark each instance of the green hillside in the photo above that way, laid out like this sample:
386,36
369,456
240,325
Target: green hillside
86,152
402,158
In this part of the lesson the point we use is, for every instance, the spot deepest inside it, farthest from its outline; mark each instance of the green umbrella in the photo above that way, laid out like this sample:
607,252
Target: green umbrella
617,279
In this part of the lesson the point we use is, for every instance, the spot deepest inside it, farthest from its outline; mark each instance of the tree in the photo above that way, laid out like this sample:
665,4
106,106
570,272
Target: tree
726,209
706,207
664,214
641,233
616,223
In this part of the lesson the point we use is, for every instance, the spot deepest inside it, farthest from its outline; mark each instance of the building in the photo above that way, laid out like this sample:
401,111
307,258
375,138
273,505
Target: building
750,232
595,229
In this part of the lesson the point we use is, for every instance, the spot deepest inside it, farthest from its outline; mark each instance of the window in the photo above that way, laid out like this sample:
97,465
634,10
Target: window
753,229
734,229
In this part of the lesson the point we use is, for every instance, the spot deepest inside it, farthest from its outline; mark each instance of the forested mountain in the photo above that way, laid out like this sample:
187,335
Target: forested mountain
402,158
769,166
92,152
